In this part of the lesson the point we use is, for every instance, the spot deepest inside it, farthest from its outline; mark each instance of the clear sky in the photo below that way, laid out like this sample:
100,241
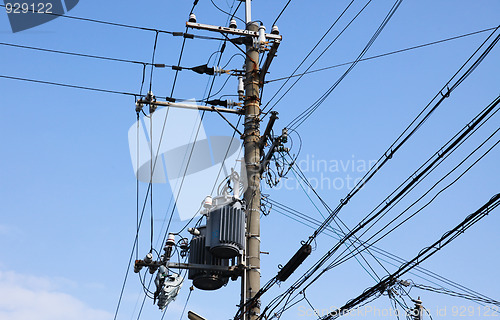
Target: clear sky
68,190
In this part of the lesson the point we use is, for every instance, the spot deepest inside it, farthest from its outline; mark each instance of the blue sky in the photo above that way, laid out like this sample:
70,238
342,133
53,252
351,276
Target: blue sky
68,191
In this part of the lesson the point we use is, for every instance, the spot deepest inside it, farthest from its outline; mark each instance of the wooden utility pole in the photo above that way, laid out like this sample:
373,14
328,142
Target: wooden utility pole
251,143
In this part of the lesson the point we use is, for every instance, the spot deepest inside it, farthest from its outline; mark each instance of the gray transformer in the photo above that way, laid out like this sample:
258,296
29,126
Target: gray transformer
226,230
199,254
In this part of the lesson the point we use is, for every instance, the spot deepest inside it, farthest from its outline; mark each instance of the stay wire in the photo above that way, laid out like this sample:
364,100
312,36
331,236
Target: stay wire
135,244
456,294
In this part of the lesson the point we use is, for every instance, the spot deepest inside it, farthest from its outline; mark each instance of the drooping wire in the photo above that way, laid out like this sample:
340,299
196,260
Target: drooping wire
153,62
229,14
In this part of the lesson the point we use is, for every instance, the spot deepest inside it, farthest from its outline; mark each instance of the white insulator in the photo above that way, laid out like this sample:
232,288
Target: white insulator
241,87
232,24
170,239
207,203
218,71
192,17
262,37
149,258
194,231
275,30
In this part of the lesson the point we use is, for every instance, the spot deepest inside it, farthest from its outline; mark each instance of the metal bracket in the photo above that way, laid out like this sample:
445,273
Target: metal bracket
240,32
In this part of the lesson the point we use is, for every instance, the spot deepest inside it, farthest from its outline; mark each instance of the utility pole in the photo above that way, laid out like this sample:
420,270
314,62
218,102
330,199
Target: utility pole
256,41
251,143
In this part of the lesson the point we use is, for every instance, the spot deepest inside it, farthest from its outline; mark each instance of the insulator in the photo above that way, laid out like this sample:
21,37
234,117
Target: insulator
170,239
194,231
232,24
241,88
262,38
149,258
192,18
218,71
275,30
284,135
207,203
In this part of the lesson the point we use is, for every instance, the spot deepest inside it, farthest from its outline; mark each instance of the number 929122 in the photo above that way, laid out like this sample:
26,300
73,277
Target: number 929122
19,7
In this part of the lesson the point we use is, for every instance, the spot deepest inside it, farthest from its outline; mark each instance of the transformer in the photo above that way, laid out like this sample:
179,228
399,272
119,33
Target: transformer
199,254
226,230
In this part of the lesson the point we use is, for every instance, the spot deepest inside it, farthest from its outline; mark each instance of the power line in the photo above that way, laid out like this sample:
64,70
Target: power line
69,85
312,223
341,259
404,188
281,12
414,126
455,294
295,123
384,54
423,255
314,48
190,154
81,54
388,155
129,26
225,12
